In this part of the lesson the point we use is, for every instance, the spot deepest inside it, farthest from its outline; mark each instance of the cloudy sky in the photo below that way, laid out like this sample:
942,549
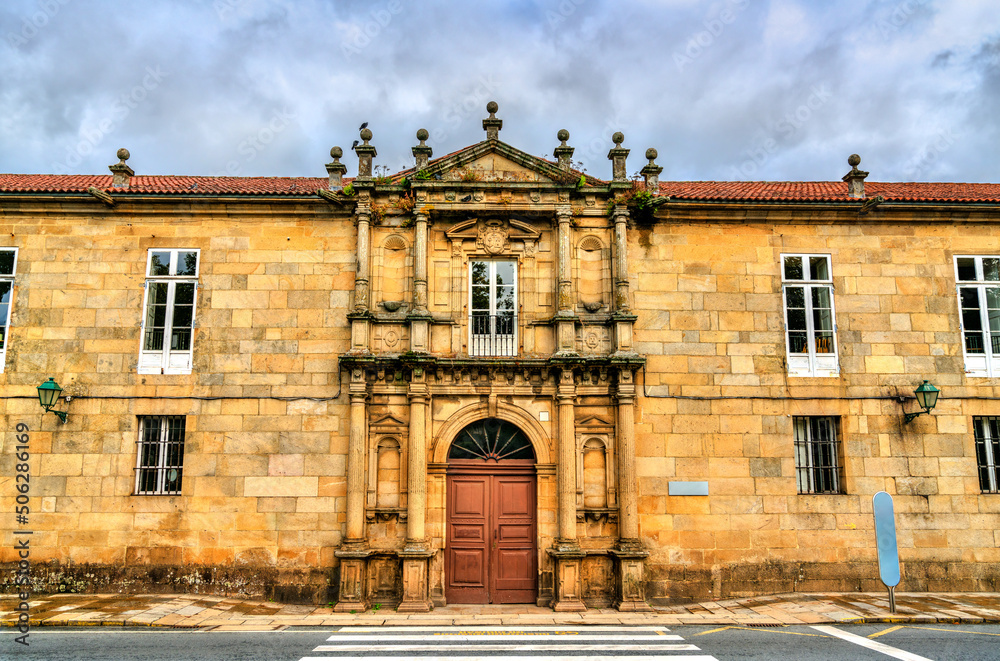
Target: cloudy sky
733,89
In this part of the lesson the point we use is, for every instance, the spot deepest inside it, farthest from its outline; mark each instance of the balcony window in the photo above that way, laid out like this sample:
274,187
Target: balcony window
493,308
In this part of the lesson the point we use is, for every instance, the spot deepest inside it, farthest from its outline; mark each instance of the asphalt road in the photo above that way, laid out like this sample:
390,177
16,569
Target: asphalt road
702,643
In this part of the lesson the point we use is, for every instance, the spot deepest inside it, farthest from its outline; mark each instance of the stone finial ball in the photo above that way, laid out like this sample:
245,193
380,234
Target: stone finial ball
563,135
123,154
336,152
492,107
854,160
422,134
366,134
651,154
618,138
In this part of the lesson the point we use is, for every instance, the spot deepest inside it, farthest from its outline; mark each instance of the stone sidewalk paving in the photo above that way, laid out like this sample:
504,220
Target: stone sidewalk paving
229,614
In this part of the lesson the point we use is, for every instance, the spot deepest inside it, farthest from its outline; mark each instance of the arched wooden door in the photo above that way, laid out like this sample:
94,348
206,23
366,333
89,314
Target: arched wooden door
491,552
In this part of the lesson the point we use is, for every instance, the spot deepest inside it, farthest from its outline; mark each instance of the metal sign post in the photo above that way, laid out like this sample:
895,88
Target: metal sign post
885,538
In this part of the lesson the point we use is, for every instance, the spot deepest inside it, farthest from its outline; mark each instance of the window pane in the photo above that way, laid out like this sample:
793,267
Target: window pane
156,316
970,309
819,268
505,273
184,293
4,310
991,269
796,319
795,297
159,263
7,262
793,268
480,273
187,263
821,297
480,299
966,268
505,299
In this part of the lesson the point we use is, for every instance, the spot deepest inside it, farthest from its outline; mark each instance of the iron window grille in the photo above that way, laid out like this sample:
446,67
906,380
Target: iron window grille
987,432
817,455
160,456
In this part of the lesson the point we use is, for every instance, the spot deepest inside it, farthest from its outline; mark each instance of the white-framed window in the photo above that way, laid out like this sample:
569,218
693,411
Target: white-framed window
159,466
169,306
8,267
978,283
987,432
817,454
492,308
810,331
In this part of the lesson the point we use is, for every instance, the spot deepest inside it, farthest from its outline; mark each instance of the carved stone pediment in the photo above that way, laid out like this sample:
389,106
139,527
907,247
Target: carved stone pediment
491,231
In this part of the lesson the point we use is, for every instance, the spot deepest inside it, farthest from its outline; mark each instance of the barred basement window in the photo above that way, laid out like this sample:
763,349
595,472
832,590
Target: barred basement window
160,455
979,305
987,431
810,333
817,455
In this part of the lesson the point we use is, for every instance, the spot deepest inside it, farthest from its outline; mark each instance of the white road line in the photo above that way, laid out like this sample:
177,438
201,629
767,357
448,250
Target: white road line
498,637
871,644
510,648
506,627
602,657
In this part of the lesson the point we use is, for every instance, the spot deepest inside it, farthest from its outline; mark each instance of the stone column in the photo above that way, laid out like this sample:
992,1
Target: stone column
353,552
620,216
565,319
566,552
622,315
629,554
420,263
416,553
361,277
419,317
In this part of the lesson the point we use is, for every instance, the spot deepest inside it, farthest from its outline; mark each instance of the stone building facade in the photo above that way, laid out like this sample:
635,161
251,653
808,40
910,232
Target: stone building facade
492,378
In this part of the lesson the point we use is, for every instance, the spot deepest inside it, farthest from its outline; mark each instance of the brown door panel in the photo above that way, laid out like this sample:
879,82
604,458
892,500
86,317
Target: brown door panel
491,547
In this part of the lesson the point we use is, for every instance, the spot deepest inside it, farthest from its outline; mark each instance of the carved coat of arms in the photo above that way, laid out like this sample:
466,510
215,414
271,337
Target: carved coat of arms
493,237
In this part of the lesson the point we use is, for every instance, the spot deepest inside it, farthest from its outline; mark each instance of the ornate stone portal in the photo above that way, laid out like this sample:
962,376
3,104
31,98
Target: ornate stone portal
493,233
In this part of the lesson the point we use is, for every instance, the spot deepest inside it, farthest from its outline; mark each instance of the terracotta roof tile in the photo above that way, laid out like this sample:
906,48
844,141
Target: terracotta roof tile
53,183
773,191
827,191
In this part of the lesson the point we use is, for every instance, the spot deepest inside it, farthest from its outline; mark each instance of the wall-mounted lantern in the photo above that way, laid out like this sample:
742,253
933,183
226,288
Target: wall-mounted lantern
927,396
48,395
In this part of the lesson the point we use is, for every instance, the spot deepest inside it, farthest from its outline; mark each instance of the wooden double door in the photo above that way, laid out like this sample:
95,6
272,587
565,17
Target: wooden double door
491,550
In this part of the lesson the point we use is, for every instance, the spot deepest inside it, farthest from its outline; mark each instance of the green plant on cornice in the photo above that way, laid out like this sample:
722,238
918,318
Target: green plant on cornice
470,175
377,212
582,181
423,175
405,203
382,177
348,190
641,204
506,200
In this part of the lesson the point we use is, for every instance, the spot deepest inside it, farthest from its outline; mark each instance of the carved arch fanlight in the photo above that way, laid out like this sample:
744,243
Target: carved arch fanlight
491,438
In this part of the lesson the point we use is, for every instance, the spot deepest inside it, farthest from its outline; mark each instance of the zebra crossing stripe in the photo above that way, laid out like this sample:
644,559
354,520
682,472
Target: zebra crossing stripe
569,647
508,628
516,636
600,657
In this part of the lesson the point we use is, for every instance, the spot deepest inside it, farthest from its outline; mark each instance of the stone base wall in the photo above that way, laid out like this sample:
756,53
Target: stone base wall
675,584
299,585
